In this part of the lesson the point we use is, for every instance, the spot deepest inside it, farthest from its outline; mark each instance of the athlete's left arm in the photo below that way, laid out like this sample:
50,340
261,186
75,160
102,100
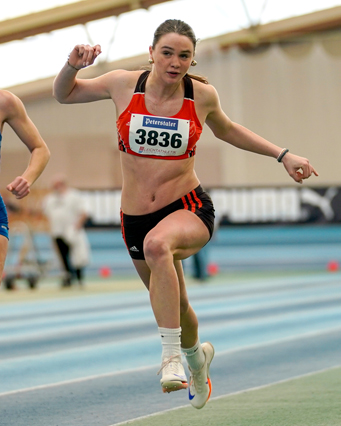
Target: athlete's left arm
223,128
19,121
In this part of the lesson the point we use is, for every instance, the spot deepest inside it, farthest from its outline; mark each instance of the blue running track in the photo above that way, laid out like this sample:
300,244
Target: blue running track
91,360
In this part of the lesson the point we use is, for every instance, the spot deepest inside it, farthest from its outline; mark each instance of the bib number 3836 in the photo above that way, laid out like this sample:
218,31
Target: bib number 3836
161,136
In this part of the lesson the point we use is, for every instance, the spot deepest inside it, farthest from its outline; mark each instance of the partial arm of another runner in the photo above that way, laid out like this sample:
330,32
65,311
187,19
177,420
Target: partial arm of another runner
18,120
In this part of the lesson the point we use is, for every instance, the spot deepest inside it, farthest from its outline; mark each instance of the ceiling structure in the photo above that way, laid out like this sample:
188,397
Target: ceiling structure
68,15
246,23
286,29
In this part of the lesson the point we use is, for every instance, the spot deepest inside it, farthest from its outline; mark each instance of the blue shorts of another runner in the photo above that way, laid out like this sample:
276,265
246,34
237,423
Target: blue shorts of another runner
3,219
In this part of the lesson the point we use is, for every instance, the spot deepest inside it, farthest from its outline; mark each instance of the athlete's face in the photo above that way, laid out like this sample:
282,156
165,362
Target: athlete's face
173,55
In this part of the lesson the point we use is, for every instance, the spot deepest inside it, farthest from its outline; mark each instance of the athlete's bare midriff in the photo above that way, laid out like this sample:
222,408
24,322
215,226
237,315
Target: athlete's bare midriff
150,184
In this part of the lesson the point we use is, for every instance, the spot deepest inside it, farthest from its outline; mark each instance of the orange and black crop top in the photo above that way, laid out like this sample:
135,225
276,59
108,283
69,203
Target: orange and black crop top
147,135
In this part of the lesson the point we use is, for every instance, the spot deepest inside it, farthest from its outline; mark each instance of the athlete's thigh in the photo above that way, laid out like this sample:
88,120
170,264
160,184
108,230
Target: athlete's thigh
183,231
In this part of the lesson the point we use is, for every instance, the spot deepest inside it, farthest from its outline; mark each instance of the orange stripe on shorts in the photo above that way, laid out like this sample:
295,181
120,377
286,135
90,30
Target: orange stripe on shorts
122,229
192,203
197,199
185,203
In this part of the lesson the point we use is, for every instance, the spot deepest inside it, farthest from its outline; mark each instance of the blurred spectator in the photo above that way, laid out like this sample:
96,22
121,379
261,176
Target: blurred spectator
66,213
200,260
200,263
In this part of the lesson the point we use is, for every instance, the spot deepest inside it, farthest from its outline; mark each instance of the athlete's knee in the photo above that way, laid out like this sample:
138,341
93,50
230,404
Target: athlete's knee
155,248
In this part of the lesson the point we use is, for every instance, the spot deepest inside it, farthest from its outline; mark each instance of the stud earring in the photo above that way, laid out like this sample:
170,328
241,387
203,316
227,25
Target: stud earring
193,63
151,61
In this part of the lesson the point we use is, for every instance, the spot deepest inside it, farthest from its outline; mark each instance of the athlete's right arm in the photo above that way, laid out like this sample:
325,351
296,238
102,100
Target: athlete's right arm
69,89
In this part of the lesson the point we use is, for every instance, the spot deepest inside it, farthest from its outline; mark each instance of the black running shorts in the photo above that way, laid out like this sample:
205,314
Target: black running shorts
135,228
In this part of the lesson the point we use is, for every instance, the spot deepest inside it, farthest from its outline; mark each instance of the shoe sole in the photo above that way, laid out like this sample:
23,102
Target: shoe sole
171,386
208,368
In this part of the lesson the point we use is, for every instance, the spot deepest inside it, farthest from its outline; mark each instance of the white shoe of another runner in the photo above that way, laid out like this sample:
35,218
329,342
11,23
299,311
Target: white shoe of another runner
173,375
200,386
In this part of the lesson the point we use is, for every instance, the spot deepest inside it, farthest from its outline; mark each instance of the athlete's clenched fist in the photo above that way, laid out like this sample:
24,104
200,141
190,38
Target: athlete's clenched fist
83,55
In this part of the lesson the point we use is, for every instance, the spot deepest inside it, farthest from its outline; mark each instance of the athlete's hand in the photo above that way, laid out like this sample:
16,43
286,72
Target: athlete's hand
84,55
298,168
19,187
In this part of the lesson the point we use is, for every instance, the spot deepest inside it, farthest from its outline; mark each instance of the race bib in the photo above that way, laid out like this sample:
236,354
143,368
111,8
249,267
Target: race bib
163,136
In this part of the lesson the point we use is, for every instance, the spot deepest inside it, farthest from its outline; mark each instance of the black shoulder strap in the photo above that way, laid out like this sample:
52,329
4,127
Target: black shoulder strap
141,82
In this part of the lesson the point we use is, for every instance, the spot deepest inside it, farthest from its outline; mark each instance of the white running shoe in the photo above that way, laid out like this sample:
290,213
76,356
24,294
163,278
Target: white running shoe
200,386
173,374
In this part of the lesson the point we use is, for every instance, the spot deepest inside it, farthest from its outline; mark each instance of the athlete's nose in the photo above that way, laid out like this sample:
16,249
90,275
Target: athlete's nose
175,63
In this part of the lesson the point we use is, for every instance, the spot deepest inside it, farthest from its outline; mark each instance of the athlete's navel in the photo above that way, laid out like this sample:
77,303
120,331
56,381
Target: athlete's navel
153,197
